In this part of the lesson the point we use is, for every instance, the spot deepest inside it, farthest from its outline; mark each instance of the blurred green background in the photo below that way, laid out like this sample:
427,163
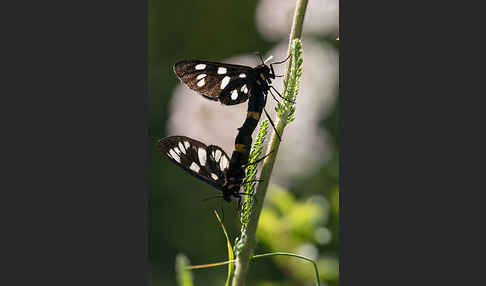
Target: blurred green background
294,220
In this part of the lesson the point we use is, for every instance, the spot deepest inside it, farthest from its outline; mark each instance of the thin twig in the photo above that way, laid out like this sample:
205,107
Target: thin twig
316,270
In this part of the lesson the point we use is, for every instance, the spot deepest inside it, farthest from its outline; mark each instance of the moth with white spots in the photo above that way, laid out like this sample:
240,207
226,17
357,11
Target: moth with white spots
230,84
222,80
208,163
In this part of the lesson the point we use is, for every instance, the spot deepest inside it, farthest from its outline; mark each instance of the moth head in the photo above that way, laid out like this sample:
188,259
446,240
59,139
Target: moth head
231,190
265,73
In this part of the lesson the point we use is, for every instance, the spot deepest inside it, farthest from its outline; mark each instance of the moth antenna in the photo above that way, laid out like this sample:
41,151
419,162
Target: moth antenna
277,63
261,58
222,210
269,58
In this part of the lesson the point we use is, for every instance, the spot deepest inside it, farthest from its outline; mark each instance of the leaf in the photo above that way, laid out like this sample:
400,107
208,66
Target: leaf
184,276
231,266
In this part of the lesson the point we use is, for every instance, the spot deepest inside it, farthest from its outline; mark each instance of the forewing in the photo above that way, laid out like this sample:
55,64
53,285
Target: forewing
195,158
216,81
236,92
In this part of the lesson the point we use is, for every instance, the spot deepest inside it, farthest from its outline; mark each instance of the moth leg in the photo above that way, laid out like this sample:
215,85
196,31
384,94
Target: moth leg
259,160
274,96
238,208
273,125
251,181
248,194
281,95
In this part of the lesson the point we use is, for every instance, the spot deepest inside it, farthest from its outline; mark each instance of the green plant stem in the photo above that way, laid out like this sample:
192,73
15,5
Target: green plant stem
295,33
248,239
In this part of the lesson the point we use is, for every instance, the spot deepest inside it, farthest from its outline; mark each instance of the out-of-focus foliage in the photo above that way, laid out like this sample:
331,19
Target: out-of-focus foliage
179,222
299,226
184,276
272,283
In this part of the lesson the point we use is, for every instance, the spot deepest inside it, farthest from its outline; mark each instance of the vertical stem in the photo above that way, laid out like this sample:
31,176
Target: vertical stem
248,238
296,31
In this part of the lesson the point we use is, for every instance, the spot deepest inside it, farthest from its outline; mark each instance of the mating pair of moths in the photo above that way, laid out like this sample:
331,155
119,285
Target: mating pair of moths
230,84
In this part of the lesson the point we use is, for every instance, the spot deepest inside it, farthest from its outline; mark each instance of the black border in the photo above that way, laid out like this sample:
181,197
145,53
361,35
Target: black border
398,196
76,144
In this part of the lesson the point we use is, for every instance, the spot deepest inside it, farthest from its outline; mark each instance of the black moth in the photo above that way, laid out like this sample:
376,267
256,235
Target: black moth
228,83
208,163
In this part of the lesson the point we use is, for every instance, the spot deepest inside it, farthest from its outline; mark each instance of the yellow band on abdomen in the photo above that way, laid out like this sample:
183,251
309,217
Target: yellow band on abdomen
253,114
240,148
231,186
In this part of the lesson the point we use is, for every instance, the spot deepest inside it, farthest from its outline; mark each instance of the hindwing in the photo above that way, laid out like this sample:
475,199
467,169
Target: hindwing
208,163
